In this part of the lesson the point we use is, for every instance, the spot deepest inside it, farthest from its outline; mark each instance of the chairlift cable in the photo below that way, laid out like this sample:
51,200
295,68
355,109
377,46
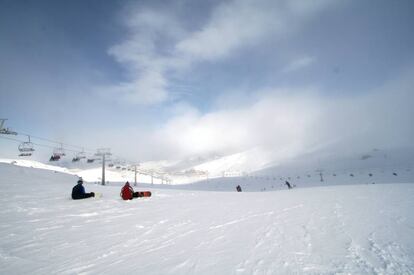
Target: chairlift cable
81,149
38,144
89,150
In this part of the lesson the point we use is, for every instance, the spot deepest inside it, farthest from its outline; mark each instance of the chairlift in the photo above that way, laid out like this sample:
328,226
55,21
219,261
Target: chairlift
5,131
90,160
26,148
111,165
75,159
79,156
54,158
59,151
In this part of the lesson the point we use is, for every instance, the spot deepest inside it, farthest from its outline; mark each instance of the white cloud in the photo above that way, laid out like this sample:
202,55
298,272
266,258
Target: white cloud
147,90
232,25
158,42
241,23
298,64
140,54
288,126
272,123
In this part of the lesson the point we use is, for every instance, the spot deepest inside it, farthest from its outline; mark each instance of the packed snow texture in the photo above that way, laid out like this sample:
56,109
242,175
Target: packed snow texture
355,229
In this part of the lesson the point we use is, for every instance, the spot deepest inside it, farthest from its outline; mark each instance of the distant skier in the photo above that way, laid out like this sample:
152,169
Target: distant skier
238,188
288,184
127,192
78,191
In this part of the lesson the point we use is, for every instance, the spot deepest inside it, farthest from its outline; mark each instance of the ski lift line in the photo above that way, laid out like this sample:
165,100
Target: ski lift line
89,150
38,144
133,163
14,139
81,149
61,145
123,159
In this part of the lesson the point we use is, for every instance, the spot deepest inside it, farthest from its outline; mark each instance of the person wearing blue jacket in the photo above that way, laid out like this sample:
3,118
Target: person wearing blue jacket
78,191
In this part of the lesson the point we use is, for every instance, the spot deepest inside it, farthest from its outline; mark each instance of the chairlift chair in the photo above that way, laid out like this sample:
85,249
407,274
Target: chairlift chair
26,148
5,131
54,158
59,151
81,155
90,160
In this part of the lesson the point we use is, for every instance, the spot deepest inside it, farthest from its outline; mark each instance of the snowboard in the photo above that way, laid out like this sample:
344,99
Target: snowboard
144,193
98,195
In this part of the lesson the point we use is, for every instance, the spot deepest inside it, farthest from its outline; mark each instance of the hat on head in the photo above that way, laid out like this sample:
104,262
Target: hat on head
80,180
127,183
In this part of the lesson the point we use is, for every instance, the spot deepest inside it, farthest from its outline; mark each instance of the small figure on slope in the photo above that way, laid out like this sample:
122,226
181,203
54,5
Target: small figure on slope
288,184
78,191
238,188
127,192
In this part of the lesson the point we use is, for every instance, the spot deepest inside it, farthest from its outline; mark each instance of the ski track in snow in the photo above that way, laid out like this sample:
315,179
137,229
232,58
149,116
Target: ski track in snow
365,229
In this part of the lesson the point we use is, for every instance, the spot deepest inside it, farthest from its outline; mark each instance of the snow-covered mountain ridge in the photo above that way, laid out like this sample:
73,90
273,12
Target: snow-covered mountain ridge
374,166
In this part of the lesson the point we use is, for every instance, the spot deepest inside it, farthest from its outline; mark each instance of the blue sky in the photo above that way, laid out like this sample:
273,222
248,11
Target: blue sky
170,79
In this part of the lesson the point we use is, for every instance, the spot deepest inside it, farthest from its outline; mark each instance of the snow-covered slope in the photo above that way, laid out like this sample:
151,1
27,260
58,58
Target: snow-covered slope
375,166
89,172
302,169
35,164
350,229
114,175
235,164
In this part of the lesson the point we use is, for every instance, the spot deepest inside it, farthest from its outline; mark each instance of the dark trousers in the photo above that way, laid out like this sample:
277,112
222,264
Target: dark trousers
83,196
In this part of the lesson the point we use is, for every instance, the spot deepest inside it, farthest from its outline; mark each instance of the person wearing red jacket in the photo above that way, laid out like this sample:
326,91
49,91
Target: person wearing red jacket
127,192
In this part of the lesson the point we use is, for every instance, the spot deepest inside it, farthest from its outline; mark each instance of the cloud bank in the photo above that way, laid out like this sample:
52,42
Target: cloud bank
289,125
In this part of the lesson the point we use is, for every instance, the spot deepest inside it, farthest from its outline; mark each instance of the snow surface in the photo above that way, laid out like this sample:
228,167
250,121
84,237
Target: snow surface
355,229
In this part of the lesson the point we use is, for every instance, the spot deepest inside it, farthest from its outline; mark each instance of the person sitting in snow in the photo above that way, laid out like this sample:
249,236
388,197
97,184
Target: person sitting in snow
238,188
78,191
127,192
